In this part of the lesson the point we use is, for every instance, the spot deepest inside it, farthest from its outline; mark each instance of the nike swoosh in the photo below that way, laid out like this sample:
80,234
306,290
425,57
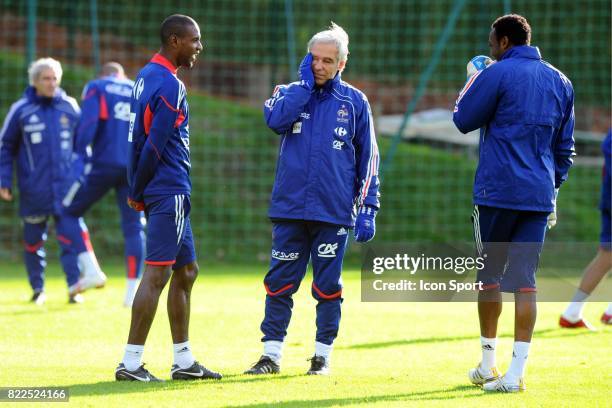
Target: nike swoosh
145,379
200,374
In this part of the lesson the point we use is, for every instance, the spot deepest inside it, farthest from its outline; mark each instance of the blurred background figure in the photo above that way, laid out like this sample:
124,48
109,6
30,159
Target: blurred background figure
38,135
101,145
601,264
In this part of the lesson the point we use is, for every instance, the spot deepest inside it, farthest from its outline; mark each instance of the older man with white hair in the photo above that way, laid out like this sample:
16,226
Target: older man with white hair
38,134
326,183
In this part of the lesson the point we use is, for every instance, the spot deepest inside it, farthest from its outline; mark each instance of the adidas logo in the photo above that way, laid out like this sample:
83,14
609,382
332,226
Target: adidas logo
183,350
488,347
342,231
33,119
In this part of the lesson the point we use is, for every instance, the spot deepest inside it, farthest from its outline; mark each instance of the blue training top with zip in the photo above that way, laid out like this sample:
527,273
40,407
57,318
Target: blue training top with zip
524,108
104,121
38,134
158,158
328,157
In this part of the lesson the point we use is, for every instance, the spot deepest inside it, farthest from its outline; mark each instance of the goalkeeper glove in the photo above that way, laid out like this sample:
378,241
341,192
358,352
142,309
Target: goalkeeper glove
365,226
552,217
478,63
305,73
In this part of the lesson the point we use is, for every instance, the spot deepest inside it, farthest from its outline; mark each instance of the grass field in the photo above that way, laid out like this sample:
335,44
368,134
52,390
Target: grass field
387,354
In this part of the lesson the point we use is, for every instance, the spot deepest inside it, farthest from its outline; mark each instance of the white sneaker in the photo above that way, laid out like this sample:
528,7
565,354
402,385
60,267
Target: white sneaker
478,376
39,298
94,280
503,385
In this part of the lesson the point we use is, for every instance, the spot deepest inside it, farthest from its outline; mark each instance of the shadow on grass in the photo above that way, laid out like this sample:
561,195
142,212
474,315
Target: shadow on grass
544,333
127,387
460,392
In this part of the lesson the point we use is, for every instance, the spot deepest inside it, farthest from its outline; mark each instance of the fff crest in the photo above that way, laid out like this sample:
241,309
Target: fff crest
343,112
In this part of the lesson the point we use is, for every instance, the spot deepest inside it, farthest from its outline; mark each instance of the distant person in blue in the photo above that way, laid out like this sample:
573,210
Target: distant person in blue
101,143
158,176
524,108
602,263
326,183
38,134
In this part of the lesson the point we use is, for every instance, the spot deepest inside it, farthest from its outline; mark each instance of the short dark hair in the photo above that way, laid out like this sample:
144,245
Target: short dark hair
175,24
513,26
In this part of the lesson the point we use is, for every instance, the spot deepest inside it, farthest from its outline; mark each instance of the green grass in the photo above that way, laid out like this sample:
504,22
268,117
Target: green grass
387,354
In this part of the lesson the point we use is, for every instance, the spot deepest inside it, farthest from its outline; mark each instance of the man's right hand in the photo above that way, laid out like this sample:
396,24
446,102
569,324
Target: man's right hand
5,194
306,75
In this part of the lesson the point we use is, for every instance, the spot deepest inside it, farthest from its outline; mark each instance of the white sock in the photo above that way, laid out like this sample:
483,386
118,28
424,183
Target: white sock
182,355
573,313
132,359
274,350
488,353
323,350
130,291
519,360
609,309
88,264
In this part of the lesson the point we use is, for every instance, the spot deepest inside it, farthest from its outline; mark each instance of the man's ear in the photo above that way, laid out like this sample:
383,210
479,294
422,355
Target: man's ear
341,65
504,43
173,41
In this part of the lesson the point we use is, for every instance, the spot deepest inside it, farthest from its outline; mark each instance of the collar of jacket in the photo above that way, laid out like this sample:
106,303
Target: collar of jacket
330,84
30,94
522,51
164,62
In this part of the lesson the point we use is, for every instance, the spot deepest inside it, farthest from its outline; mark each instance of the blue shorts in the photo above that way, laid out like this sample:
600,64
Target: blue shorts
169,236
605,238
510,241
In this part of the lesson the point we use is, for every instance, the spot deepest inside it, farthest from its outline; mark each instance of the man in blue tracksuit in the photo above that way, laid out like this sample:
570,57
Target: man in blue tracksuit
524,108
101,143
38,134
326,183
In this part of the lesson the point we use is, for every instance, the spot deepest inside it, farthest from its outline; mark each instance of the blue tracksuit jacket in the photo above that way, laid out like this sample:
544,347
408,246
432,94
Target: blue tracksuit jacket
328,156
104,121
38,133
524,108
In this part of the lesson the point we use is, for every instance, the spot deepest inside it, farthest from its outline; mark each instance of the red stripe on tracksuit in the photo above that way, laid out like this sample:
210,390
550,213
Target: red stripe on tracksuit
87,241
284,288
131,267
523,290
160,263
103,108
34,247
324,296
64,240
